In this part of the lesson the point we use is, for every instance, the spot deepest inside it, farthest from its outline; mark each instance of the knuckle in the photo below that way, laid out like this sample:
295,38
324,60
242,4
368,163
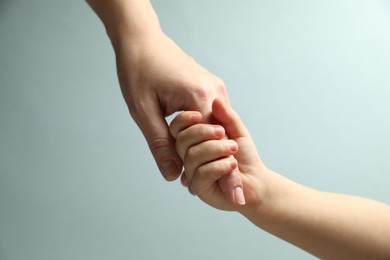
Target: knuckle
202,172
220,84
211,171
222,167
204,130
179,138
133,109
159,142
161,148
201,89
196,182
191,153
201,93
136,109
223,148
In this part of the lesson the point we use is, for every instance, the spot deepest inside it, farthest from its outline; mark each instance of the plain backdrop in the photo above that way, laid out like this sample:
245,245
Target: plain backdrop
311,80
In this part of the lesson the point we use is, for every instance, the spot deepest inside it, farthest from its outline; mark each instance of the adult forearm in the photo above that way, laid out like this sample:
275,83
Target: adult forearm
328,225
126,19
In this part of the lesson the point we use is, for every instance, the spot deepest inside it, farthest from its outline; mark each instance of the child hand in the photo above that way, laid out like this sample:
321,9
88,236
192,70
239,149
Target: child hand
207,157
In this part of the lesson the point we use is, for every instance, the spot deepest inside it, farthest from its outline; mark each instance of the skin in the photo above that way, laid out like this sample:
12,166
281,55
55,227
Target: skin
327,225
157,79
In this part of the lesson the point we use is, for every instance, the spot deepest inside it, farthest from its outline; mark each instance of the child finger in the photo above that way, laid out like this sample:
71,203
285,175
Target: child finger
184,120
206,152
229,119
196,134
183,179
232,188
185,183
206,176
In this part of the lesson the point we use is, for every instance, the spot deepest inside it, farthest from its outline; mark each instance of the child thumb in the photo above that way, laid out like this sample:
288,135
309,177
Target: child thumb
229,119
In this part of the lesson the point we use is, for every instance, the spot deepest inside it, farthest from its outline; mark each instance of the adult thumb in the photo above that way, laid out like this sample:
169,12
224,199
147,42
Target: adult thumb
152,124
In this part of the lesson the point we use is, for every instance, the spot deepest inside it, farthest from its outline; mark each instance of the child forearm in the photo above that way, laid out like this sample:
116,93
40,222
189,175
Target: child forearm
328,225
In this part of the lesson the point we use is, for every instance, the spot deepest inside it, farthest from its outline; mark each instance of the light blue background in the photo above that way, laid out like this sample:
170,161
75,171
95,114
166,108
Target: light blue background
311,80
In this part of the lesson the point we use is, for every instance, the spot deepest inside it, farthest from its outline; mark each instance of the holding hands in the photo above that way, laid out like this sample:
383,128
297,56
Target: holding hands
321,223
222,166
210,159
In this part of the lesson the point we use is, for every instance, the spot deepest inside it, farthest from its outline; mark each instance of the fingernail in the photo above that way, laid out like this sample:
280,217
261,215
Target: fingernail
169,169
239,196
233,164
233,146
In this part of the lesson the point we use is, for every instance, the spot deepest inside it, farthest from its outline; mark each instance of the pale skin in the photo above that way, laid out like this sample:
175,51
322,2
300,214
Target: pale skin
157,79
327,225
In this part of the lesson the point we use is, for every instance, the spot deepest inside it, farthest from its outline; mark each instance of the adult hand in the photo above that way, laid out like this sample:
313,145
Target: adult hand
157,79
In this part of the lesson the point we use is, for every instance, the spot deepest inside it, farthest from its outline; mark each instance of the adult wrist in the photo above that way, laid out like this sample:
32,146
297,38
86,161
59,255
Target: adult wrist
128,32
126,20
